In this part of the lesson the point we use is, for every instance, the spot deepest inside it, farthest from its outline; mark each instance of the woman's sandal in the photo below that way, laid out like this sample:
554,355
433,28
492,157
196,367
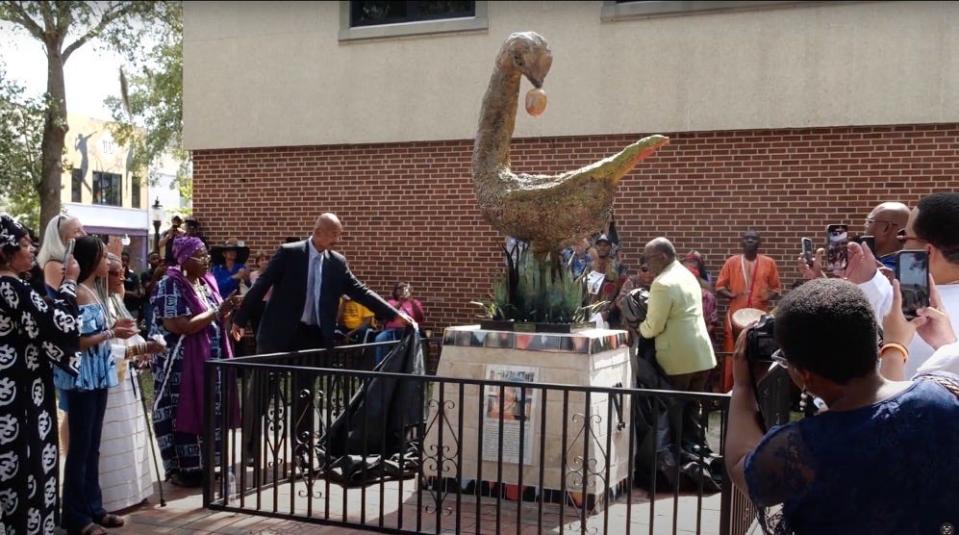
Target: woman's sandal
91,529
110,520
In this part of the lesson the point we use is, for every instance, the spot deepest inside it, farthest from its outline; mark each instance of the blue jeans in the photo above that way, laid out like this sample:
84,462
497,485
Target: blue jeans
82,501
386,336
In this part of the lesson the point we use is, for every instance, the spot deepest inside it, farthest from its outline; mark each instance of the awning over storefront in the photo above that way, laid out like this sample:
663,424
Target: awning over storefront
101,219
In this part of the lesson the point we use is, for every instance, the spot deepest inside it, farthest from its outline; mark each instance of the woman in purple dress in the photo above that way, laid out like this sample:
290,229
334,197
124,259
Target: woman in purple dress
190,315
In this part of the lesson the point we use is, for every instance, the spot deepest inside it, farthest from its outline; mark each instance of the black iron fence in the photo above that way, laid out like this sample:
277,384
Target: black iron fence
312,436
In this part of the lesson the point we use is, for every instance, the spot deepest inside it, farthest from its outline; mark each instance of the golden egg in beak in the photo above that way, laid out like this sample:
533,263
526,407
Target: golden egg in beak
535,102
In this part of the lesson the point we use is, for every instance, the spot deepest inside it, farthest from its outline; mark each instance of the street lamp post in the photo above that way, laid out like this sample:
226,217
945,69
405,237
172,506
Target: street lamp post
156,212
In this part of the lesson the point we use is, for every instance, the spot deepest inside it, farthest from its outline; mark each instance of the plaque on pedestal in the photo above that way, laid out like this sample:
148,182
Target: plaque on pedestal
562,432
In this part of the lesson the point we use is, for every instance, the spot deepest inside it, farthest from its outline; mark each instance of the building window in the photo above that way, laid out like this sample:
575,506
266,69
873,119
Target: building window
107,189
614,10
76,185
135,186
367,13
363,19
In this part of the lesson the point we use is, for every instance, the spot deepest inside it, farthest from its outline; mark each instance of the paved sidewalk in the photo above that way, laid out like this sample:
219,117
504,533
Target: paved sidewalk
184,514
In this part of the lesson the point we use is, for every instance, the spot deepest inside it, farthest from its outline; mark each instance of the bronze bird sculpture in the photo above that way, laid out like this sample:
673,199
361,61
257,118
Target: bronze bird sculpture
547,211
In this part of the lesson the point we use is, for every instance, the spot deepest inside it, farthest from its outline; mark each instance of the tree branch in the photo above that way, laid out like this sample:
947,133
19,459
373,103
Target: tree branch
108,16
49,25
63,20
16,14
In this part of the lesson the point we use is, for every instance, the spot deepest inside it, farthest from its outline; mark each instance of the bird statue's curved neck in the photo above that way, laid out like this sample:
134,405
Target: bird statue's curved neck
497,120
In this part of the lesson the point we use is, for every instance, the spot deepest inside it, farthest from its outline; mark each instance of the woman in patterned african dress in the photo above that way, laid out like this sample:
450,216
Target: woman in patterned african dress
35,336
190,314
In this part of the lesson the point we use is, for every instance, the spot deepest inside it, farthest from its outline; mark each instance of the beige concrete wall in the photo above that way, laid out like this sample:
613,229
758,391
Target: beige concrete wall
273,74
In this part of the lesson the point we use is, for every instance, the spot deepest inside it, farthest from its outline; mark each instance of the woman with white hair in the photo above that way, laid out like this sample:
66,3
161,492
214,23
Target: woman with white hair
125,477
60,230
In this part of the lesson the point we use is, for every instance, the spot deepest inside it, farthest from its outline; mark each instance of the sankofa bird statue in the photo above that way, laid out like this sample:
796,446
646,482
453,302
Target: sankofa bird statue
547,211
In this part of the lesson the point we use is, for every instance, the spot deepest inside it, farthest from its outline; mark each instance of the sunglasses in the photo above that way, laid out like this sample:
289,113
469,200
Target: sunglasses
870,221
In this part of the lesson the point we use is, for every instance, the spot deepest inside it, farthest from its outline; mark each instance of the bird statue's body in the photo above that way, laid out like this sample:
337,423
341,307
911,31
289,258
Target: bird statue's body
547,211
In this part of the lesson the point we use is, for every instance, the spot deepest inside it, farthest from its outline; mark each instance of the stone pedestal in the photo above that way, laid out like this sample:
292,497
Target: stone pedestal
573,425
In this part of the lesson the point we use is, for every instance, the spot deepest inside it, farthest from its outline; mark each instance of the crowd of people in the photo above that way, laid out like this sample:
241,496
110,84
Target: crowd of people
880,456
77,331
78,326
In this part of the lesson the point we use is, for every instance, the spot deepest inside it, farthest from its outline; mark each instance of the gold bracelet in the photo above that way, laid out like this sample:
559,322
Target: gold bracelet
898,347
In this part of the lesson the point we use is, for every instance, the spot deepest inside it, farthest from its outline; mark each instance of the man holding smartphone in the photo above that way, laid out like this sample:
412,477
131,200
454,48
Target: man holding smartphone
933,227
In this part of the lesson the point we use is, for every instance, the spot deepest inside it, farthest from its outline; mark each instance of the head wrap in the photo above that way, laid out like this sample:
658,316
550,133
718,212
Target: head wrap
186,246
11,232
694,255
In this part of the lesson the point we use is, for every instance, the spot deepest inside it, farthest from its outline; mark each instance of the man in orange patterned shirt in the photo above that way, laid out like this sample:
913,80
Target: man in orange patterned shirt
748,280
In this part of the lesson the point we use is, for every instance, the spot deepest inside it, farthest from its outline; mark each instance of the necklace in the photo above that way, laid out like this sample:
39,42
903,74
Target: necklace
198,288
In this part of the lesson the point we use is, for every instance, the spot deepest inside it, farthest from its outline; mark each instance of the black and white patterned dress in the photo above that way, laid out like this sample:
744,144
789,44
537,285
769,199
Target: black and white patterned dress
35,335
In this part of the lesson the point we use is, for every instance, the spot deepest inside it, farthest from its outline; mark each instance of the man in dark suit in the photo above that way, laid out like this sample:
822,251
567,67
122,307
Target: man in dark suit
307,278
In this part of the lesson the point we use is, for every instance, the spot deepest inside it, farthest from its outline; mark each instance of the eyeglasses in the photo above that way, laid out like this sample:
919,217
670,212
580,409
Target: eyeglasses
870,220
202,258
780,358
903,237
644,269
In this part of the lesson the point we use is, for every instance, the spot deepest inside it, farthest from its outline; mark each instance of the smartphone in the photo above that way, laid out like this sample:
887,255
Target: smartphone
912,270
807,251
837,238
69,251
865,239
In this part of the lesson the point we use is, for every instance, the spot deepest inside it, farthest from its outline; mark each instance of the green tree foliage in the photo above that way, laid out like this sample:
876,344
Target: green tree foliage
63,27
21,132
149,111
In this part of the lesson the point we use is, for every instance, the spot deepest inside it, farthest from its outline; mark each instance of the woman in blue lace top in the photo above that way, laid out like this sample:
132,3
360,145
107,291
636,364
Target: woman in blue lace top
882,459
86,393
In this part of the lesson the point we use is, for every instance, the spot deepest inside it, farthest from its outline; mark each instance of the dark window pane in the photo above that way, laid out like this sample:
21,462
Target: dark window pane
447,9
135,191
372,13
76,185
106,189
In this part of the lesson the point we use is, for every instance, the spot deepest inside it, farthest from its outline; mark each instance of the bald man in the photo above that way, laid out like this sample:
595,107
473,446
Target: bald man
308,278
884,222
674,318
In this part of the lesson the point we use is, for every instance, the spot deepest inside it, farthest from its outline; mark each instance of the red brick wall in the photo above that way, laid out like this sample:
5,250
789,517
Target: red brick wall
410,213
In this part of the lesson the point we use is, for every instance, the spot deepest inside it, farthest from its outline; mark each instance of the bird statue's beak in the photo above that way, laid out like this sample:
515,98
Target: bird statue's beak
538,71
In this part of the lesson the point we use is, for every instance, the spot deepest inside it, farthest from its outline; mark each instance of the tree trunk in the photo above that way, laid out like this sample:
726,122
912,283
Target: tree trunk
54,136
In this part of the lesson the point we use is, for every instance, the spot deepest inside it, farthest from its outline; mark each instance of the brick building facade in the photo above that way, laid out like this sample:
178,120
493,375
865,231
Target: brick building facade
410,212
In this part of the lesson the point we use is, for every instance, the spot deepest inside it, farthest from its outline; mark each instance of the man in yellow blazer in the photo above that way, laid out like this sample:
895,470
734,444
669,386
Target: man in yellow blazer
674,318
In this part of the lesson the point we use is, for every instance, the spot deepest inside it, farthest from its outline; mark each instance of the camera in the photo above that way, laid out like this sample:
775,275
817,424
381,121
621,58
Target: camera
761,341
778,398
635,306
